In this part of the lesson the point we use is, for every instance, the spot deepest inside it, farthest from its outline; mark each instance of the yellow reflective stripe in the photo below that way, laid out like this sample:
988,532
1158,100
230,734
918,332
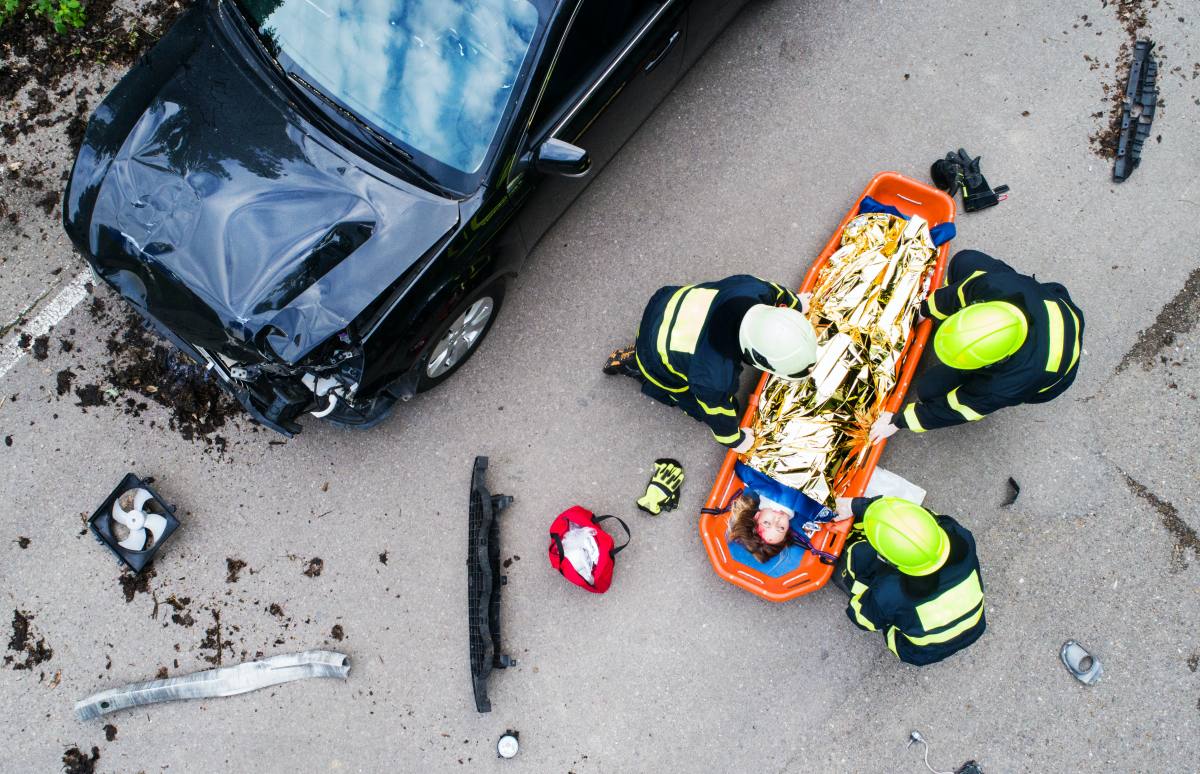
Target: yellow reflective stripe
934,312
654,381
1075,354
693,311
665,328
910,418
891,641
951,604
858,588
718,410
949,634
962,300
856,607
1054,360
958,406
727,438
850,562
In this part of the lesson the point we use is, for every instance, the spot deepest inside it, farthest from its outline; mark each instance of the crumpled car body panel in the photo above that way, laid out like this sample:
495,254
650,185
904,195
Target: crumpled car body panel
199,184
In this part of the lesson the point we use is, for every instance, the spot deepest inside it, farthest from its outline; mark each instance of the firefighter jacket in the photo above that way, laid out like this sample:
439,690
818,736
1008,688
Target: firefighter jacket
923,619
1041,370
688,348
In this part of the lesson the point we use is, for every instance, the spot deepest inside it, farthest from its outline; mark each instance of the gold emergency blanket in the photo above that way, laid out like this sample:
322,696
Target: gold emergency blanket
811,434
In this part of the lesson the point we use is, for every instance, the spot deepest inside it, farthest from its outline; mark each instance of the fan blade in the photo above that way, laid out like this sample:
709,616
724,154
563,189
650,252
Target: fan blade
140,499
135,542
119,514
157,525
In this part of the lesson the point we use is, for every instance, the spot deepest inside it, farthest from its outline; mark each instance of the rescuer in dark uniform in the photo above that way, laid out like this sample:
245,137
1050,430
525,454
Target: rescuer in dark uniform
912,576
694,339
1002,339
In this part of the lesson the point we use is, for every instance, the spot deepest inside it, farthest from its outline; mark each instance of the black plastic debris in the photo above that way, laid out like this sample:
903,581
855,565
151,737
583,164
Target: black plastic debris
483,583
1014,491
153,520
1141,99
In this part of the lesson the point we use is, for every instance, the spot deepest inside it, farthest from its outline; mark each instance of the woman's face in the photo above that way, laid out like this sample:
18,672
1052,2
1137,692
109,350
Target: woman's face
772,526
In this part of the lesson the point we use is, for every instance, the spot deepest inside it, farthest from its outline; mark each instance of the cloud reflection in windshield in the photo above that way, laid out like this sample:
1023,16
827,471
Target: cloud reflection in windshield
436,74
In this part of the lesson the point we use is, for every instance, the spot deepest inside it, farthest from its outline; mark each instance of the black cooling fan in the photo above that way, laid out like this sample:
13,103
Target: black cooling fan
134,522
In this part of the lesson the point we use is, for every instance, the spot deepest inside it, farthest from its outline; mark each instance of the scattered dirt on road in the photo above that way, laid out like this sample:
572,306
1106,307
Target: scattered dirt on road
233,567
75,761
315,566
1193,662
90,395
142,363
30,649
133,583
1186,538
37,57
1177,317
338,633
214,640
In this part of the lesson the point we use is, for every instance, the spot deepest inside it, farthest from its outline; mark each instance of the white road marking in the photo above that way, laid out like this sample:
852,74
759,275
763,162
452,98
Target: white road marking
66,300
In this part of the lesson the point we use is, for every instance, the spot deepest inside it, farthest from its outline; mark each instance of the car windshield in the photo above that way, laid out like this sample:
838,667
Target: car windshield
436,75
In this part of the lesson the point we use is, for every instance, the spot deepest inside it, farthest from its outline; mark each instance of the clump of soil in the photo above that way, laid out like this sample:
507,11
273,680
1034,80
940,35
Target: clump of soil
63,380
315,566
90,395
23,541
133,583
41,348
30,651
75,761
233,567
161,674
275,610
110,732
338,633
181,616
383,557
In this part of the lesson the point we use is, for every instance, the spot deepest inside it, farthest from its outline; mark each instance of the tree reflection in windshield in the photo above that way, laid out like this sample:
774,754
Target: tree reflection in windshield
435,74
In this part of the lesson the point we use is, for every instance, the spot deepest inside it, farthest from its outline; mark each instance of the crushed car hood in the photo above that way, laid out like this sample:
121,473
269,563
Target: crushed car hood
221,193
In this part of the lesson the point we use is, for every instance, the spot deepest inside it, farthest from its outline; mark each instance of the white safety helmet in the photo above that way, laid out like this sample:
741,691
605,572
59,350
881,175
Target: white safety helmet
778,340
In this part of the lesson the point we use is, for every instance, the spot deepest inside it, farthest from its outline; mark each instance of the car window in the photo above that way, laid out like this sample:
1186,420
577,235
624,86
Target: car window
598,30
436,75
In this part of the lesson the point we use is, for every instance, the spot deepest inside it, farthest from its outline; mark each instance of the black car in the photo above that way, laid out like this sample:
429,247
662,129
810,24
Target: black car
323,200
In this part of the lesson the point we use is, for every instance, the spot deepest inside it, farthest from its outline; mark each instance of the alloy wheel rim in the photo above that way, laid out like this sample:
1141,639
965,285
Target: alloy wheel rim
460,338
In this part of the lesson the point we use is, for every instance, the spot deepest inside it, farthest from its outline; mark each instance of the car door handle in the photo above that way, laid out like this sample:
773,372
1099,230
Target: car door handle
671,41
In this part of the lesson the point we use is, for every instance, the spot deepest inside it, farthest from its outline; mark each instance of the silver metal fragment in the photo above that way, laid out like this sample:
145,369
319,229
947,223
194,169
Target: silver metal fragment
223,681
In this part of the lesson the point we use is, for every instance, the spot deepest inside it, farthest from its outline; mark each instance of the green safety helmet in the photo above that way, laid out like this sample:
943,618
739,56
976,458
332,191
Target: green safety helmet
906,535
980,334
778,340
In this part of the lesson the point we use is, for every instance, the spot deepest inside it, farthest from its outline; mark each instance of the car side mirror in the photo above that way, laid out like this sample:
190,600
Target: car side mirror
556,157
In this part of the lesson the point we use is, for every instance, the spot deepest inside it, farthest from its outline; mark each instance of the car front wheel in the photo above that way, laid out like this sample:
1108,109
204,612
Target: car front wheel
458,339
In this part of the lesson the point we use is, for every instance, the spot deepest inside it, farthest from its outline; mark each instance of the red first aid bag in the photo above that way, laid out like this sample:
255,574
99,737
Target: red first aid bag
603,571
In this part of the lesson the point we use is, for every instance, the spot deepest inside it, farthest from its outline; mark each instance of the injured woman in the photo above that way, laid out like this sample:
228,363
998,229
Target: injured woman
771,525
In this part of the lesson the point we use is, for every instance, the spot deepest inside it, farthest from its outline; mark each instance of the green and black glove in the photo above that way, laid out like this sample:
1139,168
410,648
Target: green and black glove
662,493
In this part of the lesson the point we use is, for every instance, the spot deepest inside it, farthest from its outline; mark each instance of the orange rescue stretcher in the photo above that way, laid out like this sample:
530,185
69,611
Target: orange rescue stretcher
911,198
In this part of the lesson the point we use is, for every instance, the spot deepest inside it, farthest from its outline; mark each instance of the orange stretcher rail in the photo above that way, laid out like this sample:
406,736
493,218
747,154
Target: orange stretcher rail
911,198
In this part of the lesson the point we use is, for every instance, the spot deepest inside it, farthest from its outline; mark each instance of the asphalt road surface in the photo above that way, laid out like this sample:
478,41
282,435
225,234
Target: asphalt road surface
746,167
